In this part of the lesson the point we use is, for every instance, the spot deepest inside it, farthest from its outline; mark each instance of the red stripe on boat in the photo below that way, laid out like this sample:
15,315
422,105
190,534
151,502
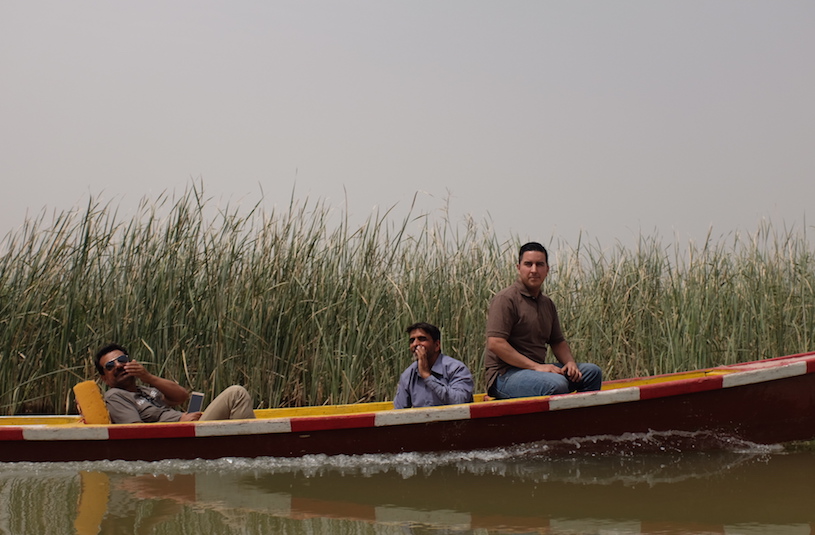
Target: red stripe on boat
118,432
506,408
811,366
687,386
12,433
344,421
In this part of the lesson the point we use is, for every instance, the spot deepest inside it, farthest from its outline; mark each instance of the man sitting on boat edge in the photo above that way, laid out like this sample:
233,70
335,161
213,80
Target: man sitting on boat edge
127,402
433,378
521,322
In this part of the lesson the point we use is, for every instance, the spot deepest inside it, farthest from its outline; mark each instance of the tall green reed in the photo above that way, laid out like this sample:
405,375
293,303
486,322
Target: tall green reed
658,309
303,307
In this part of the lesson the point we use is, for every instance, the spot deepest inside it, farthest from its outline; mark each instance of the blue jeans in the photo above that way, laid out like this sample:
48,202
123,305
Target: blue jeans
520,383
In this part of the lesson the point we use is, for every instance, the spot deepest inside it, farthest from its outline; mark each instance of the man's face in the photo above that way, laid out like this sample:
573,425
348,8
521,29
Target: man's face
115,376
418,337
533,269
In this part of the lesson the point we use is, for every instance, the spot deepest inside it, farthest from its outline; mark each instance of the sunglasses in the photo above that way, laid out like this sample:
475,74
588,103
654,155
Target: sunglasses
124,359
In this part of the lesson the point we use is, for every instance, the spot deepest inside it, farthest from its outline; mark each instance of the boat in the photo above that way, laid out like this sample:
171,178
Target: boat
768,401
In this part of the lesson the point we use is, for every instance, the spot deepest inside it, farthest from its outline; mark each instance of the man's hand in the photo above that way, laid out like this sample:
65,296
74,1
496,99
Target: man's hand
571,372
191,416
138,371
174,394
421,359
550,368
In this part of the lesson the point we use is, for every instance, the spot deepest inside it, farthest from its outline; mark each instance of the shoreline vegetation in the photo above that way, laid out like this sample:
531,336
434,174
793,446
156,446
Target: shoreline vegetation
306,311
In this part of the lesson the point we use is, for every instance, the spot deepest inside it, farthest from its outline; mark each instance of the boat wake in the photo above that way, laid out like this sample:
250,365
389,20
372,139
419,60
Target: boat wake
650,458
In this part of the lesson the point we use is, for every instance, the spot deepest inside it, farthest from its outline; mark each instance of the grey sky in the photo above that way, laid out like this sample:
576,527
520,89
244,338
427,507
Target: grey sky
614,118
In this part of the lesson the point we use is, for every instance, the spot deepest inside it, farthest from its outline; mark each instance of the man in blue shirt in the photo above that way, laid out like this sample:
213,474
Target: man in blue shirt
433,378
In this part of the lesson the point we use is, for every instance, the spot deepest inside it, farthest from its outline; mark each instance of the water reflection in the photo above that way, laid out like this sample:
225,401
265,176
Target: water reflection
548,488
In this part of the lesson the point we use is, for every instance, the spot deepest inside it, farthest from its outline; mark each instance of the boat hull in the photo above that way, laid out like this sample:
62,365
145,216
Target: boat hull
766,402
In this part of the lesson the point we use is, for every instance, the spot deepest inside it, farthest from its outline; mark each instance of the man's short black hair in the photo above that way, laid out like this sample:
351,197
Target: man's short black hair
104,350
430,329
532,246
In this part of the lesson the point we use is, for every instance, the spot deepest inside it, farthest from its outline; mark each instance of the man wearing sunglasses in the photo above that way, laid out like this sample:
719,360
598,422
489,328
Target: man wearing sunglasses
128,402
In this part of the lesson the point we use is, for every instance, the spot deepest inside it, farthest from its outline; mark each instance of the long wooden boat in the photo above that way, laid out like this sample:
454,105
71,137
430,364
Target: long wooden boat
765,402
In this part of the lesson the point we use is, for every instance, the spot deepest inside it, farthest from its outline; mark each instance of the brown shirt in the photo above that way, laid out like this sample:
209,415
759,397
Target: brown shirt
527,323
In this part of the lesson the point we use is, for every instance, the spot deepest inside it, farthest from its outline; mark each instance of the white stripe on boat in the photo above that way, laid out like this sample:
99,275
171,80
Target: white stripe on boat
242,427
422,415
766,374
80,432
590,399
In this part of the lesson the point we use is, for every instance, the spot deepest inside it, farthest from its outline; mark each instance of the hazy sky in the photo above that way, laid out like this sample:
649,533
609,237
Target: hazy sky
614,118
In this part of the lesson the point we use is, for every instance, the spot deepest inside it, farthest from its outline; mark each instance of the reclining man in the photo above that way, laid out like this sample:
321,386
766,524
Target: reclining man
128,402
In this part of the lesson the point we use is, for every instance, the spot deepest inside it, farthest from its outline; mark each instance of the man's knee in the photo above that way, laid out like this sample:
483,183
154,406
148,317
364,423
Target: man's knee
236,391
233,403
237,396
592,376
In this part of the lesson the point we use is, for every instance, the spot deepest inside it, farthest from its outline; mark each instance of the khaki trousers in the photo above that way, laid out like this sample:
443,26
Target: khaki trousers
234,403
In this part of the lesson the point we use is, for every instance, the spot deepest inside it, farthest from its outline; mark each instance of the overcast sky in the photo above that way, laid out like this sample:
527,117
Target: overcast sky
551,118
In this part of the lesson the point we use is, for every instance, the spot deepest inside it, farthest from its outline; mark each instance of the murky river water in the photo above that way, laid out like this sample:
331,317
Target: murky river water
638,485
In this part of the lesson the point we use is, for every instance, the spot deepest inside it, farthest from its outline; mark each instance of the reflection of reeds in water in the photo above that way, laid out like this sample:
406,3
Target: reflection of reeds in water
35,502
304,308
490,492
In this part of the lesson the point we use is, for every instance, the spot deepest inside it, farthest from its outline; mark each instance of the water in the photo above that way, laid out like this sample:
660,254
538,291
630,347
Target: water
658,483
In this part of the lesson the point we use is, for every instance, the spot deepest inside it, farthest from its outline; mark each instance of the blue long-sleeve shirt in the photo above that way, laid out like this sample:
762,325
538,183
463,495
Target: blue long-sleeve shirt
450,382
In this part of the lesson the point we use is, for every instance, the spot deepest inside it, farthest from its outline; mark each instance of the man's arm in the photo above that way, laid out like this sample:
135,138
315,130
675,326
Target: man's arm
402,399
459,388
504,351
174,394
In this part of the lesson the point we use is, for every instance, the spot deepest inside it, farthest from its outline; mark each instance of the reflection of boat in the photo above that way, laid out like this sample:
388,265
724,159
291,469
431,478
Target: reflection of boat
765,402
710,492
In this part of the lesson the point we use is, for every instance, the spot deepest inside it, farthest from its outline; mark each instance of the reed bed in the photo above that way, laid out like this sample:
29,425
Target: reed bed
304,308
